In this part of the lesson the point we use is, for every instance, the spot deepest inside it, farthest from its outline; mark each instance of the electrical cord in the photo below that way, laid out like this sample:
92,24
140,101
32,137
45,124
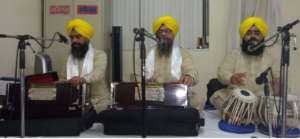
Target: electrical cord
134,64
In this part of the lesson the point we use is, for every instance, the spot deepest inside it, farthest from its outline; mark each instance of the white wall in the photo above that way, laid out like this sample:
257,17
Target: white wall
18,17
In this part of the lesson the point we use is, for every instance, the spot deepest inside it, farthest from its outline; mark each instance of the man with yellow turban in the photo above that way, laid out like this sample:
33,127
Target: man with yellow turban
86,66
241,67
166,63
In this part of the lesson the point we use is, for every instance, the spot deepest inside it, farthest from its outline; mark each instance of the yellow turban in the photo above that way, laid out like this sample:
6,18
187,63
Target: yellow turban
257,22
82,27
168,21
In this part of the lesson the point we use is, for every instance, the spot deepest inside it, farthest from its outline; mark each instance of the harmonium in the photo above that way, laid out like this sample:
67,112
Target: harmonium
44,98
167,110
51,108
129,94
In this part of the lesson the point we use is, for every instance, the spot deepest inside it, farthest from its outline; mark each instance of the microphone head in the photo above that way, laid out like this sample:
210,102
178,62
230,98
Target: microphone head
262,77
3,36
139,30
135,30
62,38
259,80
251,47
144,32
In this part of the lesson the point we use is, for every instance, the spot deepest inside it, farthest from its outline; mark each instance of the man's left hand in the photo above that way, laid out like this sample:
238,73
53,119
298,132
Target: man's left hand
187,80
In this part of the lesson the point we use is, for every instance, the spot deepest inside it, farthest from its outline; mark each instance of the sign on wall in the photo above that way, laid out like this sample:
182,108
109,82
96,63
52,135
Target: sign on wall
59,9
87,9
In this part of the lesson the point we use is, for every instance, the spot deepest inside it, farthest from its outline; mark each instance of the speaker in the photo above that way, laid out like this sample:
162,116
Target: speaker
117,54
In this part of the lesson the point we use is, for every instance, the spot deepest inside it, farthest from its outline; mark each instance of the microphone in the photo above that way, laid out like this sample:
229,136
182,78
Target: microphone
262,77
143,31
62,38
3,36
254,47
137,30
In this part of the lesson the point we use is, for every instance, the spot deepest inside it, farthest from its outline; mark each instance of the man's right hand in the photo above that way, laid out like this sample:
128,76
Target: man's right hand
238,79
76,81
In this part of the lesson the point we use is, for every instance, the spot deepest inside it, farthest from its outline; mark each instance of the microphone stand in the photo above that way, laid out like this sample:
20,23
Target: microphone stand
141,38
21,46
141,34
285,57
265,81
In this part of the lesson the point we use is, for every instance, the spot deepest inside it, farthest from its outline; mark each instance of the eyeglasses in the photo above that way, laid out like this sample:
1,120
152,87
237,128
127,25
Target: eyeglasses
167,31
253,31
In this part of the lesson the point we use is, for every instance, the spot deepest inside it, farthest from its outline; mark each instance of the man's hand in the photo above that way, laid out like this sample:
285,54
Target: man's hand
238,79
76,81
187,80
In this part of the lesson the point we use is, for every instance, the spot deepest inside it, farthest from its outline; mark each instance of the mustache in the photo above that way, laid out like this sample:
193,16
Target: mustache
253,39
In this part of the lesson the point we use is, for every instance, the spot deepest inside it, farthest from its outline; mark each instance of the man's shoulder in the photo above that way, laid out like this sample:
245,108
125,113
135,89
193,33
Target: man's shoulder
234,51
100,54
183,49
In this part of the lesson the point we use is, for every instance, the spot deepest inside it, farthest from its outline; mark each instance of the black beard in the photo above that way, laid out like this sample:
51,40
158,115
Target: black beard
246,45
79,50
165,48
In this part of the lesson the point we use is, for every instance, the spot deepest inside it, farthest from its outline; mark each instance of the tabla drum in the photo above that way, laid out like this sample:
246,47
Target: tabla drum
238,112
292,115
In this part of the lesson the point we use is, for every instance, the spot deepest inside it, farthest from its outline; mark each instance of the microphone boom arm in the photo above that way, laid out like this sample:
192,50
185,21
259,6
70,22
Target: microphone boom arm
279,31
